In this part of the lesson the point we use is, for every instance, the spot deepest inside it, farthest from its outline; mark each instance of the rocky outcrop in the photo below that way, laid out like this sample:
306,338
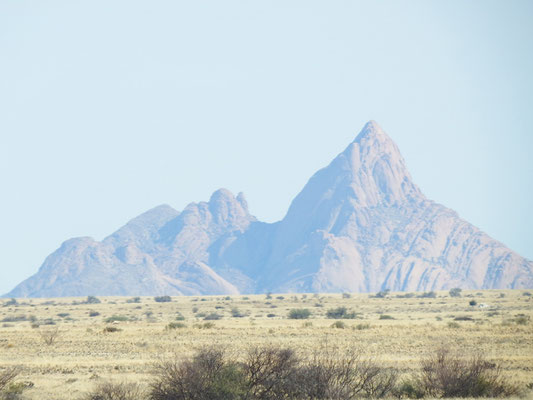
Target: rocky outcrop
360,224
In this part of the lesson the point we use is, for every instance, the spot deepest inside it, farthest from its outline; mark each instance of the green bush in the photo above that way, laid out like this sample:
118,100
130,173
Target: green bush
236,313
340,313
212,317
299,313
118,318
385,316
162,299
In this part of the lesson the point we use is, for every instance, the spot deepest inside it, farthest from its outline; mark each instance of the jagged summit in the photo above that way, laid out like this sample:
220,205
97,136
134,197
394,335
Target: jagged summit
371,129
359,224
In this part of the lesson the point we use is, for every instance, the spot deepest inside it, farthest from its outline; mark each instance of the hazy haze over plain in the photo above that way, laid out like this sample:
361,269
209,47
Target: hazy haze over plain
109,109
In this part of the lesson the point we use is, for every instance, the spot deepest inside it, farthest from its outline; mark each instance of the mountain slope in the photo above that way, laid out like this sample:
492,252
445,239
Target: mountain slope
159,252
359,224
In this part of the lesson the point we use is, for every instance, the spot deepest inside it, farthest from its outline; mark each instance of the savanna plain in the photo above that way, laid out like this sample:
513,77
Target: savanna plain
63,348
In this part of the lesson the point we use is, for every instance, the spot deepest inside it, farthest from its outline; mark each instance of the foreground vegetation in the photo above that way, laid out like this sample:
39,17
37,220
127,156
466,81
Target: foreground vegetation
402,345
271,373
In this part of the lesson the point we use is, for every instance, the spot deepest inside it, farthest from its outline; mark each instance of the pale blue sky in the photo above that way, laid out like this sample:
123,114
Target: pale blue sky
109,108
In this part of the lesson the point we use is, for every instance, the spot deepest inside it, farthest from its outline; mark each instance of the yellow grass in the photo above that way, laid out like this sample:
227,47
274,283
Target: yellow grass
83,354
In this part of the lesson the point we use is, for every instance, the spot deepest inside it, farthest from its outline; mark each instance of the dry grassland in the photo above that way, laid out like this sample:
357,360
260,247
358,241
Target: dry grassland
397,331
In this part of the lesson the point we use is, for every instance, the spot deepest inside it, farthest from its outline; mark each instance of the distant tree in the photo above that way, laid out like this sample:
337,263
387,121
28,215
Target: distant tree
134,300
236,313
92,300
12,302
472,302
382,294
455,292
162,299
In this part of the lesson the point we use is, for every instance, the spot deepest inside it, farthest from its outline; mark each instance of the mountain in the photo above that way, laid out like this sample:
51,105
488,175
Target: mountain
359,225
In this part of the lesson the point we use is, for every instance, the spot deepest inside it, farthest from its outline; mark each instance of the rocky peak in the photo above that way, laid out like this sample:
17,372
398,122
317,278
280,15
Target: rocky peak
370,172
375,170
228,210
242,200
370,130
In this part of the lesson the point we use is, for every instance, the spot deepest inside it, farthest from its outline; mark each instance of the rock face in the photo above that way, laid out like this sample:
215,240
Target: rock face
360,225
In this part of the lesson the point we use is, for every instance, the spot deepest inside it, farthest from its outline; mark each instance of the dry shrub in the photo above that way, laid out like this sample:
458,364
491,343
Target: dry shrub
447,374
7,376
10,390
116,391
272,373
208,375
331,374
49,336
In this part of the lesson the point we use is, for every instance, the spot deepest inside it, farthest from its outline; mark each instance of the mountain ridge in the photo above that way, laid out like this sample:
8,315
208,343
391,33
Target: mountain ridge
360,224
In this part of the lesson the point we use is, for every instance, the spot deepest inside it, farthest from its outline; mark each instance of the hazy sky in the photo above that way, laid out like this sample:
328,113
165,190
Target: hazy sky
109,108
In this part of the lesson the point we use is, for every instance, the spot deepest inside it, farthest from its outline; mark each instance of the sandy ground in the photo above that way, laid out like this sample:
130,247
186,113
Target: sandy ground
395,330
